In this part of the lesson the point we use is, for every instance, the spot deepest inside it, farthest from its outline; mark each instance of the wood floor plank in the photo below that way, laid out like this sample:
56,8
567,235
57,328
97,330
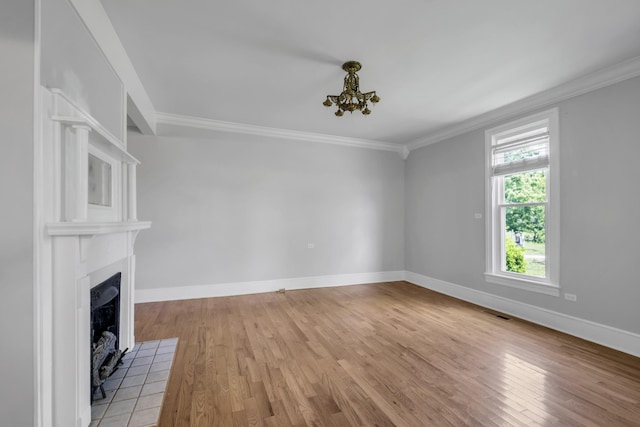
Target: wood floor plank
381,354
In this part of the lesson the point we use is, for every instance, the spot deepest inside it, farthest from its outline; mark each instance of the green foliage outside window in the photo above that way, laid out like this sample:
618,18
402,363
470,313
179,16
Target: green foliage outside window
515,257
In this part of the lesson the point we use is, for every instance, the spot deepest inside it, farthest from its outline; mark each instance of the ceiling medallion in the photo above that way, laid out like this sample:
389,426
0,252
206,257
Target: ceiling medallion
351,98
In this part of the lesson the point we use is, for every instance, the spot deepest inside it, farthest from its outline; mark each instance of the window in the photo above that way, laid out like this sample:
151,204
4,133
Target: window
523,203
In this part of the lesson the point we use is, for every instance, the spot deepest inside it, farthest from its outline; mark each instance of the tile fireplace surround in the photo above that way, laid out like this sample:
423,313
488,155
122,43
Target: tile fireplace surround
136,390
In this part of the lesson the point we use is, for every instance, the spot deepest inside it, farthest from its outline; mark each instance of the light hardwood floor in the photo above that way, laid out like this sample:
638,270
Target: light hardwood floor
380,355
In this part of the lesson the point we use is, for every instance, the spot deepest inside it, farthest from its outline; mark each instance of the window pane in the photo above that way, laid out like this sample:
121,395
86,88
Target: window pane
524,249
521,147
523,152
526,187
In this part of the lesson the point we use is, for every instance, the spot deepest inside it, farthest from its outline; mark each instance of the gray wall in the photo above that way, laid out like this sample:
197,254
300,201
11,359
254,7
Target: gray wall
16,228
72,61
600,209
230,208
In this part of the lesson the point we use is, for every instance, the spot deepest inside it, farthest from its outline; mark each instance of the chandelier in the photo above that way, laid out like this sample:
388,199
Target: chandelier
351,98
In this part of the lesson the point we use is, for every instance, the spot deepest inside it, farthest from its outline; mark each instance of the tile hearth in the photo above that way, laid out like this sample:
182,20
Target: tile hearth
136,390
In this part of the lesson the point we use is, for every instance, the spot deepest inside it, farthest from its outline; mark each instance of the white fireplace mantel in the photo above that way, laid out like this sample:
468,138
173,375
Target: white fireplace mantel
94,228
83,242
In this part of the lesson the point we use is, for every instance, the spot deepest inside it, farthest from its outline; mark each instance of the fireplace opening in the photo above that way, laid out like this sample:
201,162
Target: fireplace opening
105,331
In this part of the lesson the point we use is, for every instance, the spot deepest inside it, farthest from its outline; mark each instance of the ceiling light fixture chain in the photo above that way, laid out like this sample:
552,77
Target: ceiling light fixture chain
351,98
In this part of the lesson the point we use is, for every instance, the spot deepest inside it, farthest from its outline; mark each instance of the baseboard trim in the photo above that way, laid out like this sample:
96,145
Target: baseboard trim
618,339
256,287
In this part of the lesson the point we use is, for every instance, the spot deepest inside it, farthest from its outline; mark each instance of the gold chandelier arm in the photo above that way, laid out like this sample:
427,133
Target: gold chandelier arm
367,96
331,99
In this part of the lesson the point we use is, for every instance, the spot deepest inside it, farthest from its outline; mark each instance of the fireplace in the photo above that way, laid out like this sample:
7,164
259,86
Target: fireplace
83,243
105,332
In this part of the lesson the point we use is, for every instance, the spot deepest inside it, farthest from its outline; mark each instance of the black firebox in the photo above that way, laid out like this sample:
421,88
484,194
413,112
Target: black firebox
105,331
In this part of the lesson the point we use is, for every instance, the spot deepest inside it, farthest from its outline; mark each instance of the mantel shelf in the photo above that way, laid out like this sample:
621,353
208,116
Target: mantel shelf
110,143
93,228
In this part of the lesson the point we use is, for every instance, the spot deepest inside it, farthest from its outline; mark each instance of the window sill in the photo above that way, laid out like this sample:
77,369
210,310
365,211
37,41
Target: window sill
527,285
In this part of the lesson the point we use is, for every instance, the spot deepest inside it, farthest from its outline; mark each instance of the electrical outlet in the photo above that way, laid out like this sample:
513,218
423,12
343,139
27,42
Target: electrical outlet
311,245
477,215
571,297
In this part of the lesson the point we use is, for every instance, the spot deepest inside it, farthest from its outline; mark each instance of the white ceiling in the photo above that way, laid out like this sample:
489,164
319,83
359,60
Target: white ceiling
434,63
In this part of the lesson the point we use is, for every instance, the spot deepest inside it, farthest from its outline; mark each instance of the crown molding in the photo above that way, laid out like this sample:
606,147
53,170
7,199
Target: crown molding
232,127
588,83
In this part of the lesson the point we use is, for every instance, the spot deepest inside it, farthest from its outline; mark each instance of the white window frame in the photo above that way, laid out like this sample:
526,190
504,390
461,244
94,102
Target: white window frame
495,236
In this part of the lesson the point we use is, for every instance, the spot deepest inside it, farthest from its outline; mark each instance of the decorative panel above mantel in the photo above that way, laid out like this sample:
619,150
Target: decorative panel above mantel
96,176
